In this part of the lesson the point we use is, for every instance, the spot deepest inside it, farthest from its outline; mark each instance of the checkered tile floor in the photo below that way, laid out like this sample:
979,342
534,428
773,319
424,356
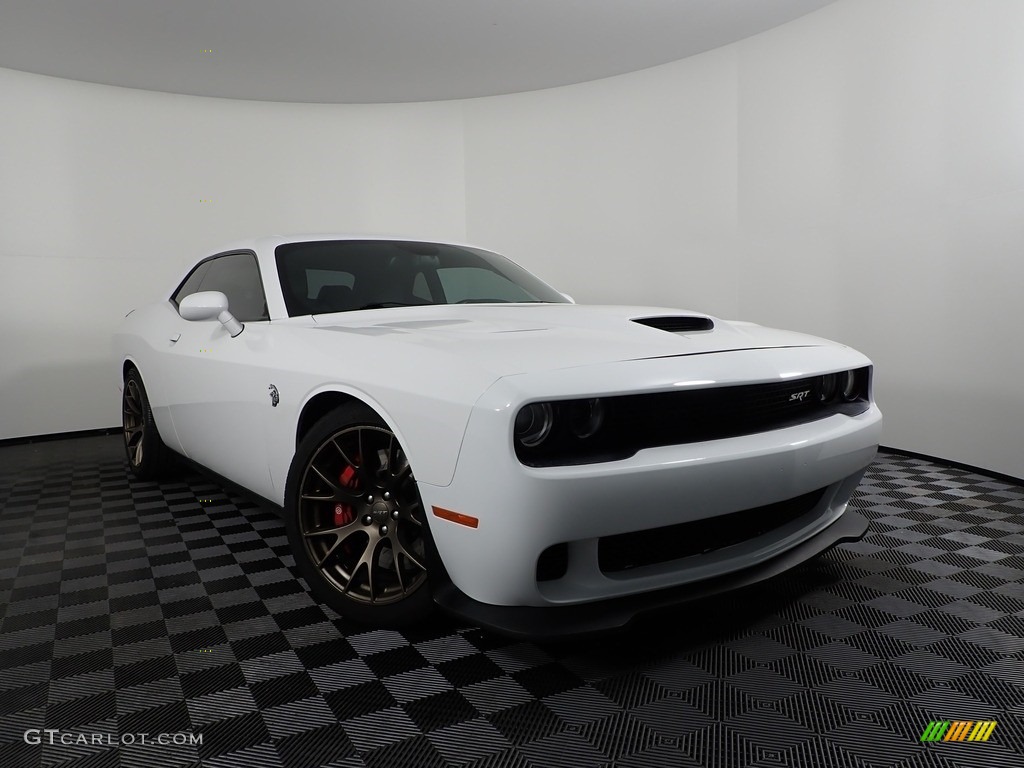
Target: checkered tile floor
131,608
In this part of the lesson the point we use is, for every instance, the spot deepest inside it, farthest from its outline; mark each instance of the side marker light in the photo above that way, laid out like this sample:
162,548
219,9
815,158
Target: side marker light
456,517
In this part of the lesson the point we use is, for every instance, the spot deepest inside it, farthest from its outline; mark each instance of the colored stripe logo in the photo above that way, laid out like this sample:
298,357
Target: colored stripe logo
959,730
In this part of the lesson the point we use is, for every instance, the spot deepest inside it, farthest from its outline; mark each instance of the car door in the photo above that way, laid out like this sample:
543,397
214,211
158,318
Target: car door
221,384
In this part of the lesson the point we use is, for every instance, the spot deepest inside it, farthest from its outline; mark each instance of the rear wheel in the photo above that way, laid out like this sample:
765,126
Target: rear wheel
148,457
355,520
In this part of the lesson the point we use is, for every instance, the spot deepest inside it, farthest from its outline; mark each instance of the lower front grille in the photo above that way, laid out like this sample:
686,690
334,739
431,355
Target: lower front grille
661,545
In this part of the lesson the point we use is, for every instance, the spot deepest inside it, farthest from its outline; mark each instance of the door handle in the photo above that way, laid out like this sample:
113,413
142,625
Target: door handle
175,337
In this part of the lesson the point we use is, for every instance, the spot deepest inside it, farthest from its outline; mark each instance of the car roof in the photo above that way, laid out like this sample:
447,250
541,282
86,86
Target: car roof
267,243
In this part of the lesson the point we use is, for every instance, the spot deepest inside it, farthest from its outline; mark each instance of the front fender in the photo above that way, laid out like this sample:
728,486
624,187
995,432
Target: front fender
429,427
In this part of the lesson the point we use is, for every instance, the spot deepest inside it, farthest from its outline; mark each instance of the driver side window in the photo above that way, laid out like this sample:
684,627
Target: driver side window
191,284
237,276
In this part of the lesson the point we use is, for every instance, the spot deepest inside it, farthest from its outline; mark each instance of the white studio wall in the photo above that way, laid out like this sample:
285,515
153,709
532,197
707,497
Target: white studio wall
857,173
618,191
882,157
108,194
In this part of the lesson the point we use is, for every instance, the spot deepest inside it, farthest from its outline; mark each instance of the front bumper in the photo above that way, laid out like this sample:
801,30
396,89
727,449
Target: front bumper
524,511
553,623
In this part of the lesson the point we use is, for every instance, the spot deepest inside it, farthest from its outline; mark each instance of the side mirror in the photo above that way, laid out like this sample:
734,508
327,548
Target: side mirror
210,305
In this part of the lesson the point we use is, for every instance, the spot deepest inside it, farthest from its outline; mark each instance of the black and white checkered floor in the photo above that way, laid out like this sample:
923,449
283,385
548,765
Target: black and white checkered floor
133,613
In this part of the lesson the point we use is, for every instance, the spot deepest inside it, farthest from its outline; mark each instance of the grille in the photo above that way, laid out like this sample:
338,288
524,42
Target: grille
661,545
677,324
706,414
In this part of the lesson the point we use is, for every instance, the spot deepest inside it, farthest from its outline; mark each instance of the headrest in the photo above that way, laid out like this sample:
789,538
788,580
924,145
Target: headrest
334,297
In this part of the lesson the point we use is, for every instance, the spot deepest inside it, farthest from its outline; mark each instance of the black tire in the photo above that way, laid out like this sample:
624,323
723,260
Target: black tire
355,520
148,457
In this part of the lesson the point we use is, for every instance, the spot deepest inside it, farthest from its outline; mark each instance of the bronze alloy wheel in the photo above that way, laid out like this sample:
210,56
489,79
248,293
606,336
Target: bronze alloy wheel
148,457
133,418
360,517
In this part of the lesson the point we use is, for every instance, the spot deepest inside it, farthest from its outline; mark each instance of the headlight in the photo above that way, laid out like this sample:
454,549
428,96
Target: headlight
586,417
533,424
844,387
850,388
829,387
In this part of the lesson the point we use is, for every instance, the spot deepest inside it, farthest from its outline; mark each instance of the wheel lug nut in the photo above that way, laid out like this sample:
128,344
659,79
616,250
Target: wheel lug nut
369,499
367,519
386,495
394,514
383,530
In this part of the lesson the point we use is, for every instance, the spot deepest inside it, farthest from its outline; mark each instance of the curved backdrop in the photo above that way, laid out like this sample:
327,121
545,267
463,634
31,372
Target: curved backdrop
857,173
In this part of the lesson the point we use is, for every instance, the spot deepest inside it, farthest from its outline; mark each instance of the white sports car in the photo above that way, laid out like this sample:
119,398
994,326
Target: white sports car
442,427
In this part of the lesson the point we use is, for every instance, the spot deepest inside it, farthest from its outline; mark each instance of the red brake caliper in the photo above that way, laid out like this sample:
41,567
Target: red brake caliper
343,513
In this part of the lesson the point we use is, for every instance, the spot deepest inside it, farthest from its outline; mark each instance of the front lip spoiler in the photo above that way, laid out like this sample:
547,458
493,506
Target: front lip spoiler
560,622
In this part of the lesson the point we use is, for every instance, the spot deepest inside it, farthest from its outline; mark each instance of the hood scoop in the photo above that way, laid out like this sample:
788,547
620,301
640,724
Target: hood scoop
677,324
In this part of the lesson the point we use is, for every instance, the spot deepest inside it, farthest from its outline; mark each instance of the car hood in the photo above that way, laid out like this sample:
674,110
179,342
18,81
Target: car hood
522,338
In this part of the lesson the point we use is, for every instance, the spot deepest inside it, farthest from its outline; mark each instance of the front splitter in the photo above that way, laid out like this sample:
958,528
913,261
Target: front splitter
560,622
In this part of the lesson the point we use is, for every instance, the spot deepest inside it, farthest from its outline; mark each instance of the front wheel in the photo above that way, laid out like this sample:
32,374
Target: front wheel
355,520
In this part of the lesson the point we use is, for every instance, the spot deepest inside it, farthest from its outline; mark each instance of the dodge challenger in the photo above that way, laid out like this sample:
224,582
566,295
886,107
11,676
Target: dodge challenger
442,428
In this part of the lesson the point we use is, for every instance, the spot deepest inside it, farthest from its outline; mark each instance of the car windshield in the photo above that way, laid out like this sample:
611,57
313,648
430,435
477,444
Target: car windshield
346,275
